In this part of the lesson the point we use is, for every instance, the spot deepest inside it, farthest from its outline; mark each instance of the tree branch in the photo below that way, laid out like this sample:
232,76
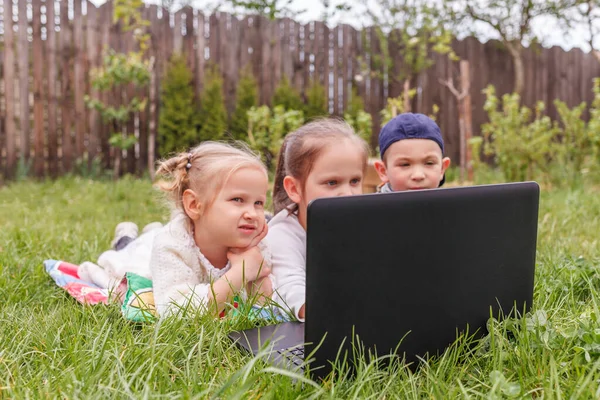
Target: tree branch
488,20
590,24
449,83
525,19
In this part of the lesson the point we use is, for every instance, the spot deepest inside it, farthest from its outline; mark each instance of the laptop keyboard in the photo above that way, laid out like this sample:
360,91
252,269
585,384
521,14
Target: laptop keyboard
294,354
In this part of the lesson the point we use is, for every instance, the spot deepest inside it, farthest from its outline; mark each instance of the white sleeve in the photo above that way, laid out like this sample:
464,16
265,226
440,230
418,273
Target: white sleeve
289,270
175,283
268,263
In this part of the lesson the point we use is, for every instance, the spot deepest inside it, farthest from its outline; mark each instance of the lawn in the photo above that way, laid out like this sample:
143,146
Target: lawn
53,347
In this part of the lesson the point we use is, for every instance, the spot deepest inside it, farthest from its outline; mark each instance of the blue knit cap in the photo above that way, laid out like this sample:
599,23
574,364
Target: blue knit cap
409,126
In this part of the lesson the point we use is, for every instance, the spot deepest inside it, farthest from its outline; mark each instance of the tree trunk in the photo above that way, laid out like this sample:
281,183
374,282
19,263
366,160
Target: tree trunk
467,121
515,52
407,96
596,54
117,130
117,166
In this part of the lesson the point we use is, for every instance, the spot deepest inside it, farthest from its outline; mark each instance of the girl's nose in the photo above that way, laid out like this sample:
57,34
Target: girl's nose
345,190
250,213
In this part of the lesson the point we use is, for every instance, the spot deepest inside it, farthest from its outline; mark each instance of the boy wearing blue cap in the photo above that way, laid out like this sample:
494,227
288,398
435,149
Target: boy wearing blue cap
412,154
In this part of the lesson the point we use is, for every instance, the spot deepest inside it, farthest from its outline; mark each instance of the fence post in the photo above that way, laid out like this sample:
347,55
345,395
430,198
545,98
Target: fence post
38,90
465,121
9,90
23,54
52,81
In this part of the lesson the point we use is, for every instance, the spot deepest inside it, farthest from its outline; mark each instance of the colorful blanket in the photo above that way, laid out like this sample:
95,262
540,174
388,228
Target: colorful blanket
135,291
65,275
136,294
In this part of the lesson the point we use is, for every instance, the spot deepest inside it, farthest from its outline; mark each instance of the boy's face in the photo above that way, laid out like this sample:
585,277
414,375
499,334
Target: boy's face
413,164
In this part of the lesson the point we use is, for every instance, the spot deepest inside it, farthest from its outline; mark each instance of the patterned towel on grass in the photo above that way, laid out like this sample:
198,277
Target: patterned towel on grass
136,294
135,290
138,302
65,275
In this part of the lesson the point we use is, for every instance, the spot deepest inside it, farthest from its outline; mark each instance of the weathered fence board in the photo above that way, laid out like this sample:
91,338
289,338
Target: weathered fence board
50,61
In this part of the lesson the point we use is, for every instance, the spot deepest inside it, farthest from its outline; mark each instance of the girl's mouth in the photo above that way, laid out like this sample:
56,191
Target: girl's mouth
247,229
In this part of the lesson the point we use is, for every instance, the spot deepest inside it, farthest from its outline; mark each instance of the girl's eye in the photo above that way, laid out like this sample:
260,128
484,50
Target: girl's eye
331,183
259,203
237,199
355,181
404,165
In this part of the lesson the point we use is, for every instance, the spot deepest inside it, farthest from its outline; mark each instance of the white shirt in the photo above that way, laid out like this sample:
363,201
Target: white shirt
287,242
181,274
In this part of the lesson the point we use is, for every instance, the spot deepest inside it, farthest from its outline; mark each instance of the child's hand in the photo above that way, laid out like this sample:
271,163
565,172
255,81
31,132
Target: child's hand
249,262
257,239
261,288
250,259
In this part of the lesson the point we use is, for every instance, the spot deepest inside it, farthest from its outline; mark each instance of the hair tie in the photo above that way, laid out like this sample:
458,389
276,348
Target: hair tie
189,163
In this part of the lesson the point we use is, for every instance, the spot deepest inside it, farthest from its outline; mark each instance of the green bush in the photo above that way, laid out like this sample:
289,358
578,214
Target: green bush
356,103
573,146
356,116
287,96
530,146
594,124
212,111
316,101
246,98
177,119
395,106
579,143
267,128
519,140
362,123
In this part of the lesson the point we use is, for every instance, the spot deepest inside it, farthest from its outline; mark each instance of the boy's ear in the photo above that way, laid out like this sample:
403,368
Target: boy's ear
293,189
381,171
445,164
191,205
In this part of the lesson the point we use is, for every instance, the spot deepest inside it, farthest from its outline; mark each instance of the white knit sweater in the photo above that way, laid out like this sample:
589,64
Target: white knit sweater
181,274
287,241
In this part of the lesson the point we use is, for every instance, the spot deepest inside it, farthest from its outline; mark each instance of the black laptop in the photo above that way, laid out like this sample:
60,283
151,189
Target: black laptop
405,271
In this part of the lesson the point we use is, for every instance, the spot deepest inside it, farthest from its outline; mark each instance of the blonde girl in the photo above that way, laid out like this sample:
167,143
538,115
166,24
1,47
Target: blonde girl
324,158
212,247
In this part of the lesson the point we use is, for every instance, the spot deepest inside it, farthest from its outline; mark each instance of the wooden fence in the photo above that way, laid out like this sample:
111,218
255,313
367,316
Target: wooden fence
49,48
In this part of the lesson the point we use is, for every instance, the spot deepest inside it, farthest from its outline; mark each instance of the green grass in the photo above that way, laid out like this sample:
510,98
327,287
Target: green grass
53,347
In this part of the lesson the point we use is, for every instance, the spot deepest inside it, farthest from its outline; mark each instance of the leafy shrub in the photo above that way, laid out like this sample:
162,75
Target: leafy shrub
395,106
267,128
287,96
518,139
594,124
526,144
212,111
572,147
316,101
358,118
246,98
362,122
177,119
